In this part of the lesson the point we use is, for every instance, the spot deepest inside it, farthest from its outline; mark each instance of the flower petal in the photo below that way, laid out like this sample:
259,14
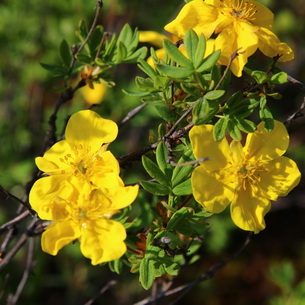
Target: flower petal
47,198
239,37
282,176
121,197
152,37
265,145
89,129
196,15
263,16
58,235
271,46
103,241
210,191
52,162
204,146
248,212
106,171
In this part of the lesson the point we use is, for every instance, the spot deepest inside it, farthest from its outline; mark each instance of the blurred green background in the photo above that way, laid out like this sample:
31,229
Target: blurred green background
270,271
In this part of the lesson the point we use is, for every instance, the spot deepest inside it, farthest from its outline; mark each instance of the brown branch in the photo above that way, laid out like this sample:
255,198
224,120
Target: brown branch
299,113
131,114
296,82
23,238
101,292
14,220
233,56
11,196
208,274
12,299
99,5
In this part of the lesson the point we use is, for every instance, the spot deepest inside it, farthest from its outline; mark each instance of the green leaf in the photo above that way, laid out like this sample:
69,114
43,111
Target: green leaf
234,100
267,117
181,173
121,52
172,269
146,273
145,84
85,59
176,55
191,43
139,94
161,157
146,68
260,76
178,218
174,72
246,125
133,58
220,128
57,71
214,95
209,62
83,30
65,53
126,35
166,113
279,78
155,188
154,171
201,47
116,266
234,130
184,188
204,111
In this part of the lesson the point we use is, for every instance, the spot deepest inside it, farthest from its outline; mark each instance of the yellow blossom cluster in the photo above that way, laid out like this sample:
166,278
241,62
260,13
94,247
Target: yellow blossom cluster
239,25
83,190
246,178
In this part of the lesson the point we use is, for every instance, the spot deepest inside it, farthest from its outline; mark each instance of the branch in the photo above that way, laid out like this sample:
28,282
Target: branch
12,299
101,292
299,113
131,114
9,195
233,56
208,274
14,220
23,238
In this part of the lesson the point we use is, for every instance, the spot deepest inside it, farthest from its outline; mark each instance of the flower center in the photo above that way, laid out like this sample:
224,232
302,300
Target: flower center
240,9
81,163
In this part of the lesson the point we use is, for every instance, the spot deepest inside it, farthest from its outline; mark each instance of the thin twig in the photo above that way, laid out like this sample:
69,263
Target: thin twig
208,274
11,196
299,113
296,82
189,162
101,292
99,5
131,114
14,220
12,300
233,56
23,238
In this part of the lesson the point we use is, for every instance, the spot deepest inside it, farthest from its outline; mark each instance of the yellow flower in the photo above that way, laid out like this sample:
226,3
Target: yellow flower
80,212
246,177
94,95
244,24
156,39
83,153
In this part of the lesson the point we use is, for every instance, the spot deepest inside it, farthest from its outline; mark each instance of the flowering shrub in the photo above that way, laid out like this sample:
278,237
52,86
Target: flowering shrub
215,146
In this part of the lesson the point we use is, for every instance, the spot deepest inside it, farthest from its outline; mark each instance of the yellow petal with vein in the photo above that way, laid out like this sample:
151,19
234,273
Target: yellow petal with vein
58,235
103,241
